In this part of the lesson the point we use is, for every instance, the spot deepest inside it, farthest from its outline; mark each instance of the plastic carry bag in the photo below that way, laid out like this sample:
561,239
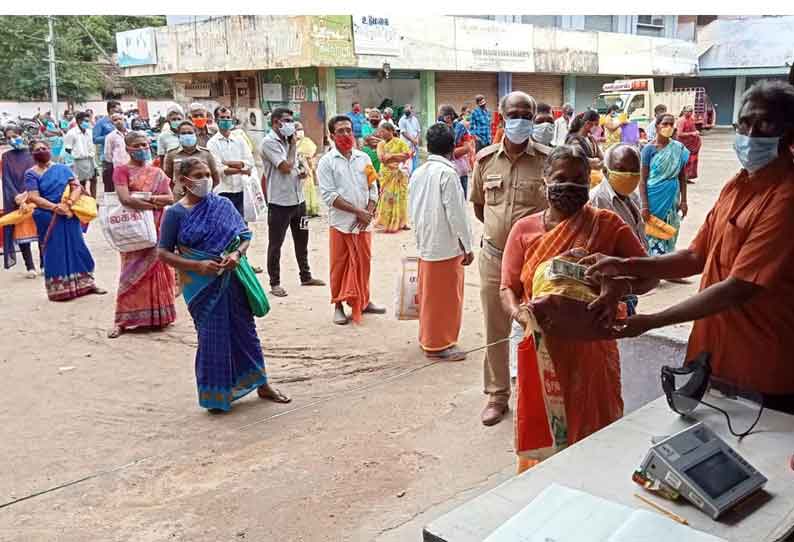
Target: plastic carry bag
254,204
406,304
127,230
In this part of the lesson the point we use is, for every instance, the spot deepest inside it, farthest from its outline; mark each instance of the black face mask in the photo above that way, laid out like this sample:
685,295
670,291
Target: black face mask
567,198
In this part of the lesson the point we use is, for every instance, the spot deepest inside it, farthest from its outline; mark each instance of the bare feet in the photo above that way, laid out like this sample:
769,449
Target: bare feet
116,332
269,393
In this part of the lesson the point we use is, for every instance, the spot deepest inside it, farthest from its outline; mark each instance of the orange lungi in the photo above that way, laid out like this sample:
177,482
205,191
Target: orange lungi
351,254
440,295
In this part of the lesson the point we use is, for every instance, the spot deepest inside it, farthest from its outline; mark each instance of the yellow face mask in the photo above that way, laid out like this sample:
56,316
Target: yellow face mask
624,182
666,131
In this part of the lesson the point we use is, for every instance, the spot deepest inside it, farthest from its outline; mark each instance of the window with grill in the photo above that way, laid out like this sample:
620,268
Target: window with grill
651,20
599,23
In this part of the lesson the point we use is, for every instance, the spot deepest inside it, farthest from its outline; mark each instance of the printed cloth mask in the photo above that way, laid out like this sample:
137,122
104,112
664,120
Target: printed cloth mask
344,143
225,124
568,197
199,187
623,182
188,140
17,143
42,157
755,152
543,133
140,155
666,131
518,130
287,129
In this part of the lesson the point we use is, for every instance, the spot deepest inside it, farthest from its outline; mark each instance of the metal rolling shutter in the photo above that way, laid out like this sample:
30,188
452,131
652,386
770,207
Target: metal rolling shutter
544,88
458,88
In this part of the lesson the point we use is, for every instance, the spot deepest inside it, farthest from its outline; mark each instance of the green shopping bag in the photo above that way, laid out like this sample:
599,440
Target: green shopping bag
257,299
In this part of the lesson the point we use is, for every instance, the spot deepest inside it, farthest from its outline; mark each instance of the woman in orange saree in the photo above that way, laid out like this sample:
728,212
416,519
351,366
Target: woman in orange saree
145,296
580,379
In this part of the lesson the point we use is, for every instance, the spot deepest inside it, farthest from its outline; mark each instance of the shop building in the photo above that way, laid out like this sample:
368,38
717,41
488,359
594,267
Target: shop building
319,65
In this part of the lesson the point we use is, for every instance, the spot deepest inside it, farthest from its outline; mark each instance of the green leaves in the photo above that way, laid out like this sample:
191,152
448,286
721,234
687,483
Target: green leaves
81,69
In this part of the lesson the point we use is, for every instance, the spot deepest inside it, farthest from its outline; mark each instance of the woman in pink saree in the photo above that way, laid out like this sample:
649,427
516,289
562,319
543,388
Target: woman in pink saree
145,296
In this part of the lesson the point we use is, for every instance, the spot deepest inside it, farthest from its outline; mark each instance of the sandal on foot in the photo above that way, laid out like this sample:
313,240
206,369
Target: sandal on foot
340,318
278,291
450,354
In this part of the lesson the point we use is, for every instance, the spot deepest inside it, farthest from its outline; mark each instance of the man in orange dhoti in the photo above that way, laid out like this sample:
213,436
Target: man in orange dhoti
347,186
437,208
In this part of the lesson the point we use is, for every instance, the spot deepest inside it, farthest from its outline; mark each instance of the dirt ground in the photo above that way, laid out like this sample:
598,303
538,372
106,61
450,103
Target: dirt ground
376,442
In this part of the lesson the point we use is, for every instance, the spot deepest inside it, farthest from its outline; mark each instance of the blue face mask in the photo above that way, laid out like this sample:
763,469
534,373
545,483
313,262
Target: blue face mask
17,143
141,155
85,125
518,130
187,140
754,153
225,124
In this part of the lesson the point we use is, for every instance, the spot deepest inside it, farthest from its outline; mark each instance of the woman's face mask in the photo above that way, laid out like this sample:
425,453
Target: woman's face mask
199,186
140,155
566,196
17,143
42,156
666,130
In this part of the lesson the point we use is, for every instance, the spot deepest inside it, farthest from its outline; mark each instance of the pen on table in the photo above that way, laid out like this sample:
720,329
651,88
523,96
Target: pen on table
666,512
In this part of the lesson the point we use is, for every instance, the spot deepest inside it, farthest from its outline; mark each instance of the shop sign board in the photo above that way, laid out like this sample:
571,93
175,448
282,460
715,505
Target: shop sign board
375,35
136,47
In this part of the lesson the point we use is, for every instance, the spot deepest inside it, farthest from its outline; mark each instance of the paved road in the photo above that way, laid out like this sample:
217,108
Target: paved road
376,442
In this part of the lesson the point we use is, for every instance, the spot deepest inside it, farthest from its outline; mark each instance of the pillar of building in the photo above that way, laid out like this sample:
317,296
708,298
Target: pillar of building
427,107
741,86
327,84
669,83
504,82
569,90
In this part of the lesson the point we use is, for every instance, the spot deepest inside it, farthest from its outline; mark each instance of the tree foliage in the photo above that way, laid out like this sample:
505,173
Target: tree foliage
81,69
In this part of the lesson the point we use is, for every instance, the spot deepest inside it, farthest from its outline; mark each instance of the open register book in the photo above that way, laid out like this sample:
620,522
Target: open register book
561,514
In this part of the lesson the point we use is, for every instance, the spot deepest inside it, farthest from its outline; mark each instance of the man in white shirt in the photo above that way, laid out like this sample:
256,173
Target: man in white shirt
115,146
562,125
233,157
411,133
437,209
79,143
348,187
168,138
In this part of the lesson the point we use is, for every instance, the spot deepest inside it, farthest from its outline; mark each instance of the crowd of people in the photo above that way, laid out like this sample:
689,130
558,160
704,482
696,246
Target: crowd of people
542,187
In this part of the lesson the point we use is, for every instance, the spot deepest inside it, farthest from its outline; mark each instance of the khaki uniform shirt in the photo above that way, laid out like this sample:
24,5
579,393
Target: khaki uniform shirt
508,190
173,159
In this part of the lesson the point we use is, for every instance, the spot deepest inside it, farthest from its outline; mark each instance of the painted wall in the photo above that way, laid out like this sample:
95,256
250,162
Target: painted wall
587,88
750,42
441,43
248,42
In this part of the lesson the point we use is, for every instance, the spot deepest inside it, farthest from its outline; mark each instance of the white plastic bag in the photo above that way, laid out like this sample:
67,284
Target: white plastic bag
516,336
126,229
406,304
254,205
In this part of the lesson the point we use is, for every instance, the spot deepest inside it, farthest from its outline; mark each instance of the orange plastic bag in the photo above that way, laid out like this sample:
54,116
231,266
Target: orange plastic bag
532,429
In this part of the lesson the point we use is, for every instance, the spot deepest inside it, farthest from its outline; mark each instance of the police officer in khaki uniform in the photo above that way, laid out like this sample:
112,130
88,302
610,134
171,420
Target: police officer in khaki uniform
507,185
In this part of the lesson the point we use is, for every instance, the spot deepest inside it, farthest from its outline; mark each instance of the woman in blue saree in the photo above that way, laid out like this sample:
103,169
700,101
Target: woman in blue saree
211,237
68,265
663,183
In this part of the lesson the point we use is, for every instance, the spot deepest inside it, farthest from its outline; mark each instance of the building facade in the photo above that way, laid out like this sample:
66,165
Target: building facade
319,65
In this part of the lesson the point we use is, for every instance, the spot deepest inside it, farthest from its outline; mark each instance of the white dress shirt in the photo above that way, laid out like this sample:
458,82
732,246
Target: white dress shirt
437,209
81,143
228,149
561,126
347,179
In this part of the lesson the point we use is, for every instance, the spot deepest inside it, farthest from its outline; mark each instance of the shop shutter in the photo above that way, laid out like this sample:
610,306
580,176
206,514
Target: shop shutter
544,88
458,88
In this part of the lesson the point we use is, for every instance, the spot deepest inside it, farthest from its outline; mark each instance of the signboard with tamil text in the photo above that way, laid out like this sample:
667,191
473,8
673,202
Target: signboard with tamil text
375,35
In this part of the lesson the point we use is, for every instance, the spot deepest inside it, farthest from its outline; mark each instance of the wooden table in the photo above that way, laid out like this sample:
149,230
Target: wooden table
603,463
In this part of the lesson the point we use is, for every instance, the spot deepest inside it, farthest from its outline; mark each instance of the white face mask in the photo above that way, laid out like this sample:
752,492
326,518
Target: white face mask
200,186
543,133
518,130
287,129
300,134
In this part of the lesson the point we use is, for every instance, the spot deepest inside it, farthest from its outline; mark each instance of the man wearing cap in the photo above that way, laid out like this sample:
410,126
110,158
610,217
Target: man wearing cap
168,138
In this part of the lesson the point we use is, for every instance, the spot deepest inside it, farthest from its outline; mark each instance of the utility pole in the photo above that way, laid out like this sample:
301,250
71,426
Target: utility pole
51,59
